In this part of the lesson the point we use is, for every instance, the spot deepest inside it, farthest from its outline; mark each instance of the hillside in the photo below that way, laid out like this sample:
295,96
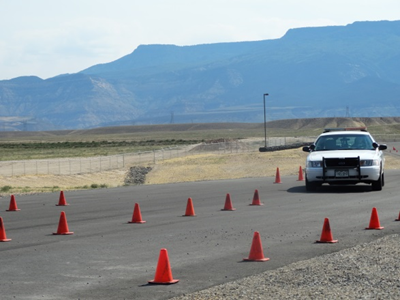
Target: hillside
319,123
310,72
288,127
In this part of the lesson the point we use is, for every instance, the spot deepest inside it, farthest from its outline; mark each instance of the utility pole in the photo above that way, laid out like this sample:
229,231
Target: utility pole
264,149
347,112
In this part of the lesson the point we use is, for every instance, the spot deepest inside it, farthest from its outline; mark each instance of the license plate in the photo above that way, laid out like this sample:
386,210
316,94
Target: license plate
342,173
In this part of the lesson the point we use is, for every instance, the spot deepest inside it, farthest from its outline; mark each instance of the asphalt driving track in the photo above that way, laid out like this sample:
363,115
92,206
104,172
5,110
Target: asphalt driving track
107,258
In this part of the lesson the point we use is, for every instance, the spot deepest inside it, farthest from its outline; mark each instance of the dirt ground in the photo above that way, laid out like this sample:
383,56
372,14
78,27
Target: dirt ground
50,183
198,167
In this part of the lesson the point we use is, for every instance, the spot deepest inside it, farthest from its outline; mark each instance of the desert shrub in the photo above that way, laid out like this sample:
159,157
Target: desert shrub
6,188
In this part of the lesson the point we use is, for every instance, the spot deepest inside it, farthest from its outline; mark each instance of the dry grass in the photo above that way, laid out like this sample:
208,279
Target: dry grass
227,166
191,168
50,183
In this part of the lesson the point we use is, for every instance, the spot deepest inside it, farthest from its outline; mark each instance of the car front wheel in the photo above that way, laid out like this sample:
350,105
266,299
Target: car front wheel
377,185
310,186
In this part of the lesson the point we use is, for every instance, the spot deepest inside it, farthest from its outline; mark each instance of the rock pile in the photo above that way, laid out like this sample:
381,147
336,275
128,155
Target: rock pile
136,175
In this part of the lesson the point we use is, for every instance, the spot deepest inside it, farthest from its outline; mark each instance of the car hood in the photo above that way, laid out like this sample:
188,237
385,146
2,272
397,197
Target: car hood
363,154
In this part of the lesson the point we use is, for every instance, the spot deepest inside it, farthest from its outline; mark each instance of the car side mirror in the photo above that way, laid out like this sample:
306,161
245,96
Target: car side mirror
309,148
382,147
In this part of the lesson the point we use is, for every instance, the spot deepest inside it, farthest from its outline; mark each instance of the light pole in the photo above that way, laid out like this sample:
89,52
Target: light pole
263,149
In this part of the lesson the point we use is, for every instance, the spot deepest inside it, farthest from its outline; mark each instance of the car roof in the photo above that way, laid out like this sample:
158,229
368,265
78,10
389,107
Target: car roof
346,132
346,129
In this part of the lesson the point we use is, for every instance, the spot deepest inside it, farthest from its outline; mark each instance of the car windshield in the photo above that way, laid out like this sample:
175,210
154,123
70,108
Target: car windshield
344,142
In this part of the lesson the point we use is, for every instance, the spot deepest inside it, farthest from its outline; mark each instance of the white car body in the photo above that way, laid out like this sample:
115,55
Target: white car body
341,156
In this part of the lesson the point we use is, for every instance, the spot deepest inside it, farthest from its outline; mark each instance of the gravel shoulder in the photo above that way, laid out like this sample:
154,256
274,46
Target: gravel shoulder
366,271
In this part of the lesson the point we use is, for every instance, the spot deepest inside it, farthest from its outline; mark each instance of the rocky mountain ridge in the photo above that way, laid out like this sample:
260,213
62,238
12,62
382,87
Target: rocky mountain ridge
346,71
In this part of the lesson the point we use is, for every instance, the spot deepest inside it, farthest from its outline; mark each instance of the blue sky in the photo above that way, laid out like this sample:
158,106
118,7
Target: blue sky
46,38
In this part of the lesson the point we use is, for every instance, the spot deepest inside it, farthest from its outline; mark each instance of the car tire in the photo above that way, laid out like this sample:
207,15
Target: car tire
377,185
310,186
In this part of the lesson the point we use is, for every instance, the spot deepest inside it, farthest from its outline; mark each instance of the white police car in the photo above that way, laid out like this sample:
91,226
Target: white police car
345,156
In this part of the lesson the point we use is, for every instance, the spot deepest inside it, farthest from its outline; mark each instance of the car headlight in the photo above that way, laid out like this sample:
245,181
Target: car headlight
369,162
314,164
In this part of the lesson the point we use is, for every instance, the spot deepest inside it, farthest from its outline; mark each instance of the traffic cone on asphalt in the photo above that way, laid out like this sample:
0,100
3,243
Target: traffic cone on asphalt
189,209
13,204
326,235
256,199
277,176
3,236
228,203
62,201
137,215
256,250
163,271
301,177
398,218
63,226
374,221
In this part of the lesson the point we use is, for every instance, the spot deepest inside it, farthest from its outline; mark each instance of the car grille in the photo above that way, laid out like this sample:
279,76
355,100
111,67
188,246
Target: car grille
338,164
348,162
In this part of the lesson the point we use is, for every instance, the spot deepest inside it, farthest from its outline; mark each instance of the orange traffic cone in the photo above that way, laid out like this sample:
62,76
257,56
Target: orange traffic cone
326,235
277,176
256,199
62,201
3,236
13,204
301,177
163,272
374,221
189,209
256,251
228,203
398,218
137,215
63,226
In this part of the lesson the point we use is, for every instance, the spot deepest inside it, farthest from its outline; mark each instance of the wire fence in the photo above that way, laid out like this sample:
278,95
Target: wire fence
71,166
